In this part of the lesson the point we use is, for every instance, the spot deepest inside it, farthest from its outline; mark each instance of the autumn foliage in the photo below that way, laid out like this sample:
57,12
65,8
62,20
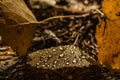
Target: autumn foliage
19,37
108,35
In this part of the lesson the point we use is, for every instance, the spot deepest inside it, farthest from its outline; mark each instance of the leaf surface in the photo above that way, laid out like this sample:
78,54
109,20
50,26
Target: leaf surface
108,35
15,12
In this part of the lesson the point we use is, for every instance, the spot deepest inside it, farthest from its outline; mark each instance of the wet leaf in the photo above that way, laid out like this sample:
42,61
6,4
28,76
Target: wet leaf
58,57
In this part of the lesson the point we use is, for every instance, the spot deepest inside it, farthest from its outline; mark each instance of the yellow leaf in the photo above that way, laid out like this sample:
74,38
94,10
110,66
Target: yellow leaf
108,35
18,37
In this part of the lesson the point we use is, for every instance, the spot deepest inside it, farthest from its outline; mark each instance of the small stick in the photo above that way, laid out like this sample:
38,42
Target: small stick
102,14
50,18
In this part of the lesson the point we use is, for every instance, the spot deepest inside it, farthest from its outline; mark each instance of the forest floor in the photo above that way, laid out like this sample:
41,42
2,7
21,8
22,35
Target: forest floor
65,31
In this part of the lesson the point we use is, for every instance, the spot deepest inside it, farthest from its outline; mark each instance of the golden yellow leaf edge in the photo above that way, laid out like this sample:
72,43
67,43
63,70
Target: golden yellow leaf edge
108,35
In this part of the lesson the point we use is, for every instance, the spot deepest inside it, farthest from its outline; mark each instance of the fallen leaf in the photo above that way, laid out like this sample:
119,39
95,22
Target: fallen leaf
58,57
15,12
108,35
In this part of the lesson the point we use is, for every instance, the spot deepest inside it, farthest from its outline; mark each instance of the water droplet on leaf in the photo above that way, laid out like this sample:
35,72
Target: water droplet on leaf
67,63
61,48
49,56
54,50
55,62
61,55
74,61
43,66
83,57
46,60
38,67
38,63
72,52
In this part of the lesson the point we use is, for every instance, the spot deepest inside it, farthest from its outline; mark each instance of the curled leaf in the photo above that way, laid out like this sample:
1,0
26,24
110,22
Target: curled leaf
18,37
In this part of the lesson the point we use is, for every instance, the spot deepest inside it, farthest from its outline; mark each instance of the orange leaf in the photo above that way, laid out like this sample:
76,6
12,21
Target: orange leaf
108,35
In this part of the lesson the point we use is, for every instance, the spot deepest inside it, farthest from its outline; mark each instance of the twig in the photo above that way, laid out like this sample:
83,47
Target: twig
76,40
50,18
102,14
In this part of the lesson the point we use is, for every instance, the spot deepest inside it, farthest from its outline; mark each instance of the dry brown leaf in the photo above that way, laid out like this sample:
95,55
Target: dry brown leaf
108,35
18,37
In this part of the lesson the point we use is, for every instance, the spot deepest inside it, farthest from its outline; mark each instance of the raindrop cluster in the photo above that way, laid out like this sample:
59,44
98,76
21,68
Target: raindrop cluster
58,57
